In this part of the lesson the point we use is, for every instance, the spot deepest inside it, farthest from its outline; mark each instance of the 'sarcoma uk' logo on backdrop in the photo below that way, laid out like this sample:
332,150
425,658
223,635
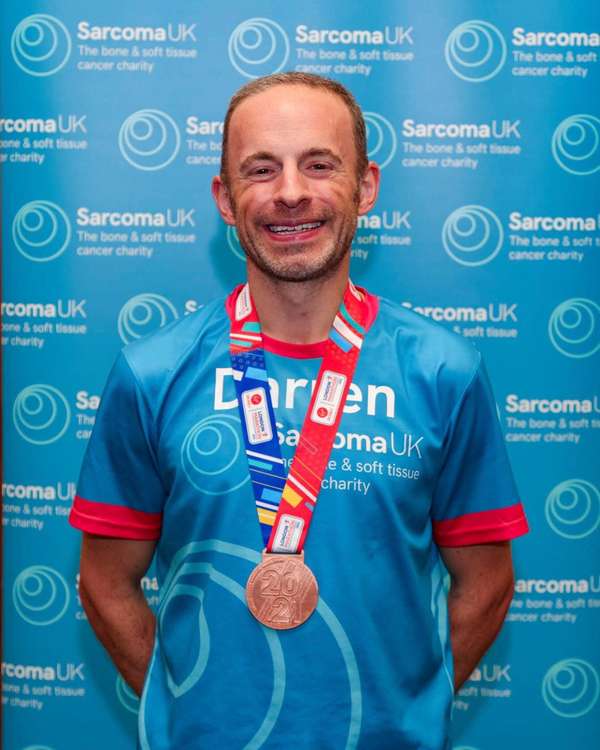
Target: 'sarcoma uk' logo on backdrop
40,595
41,414
576,144
41,231
574,327
149,139
472,235
475,51
40,45
258,47
381,138
571,688
573,508
143,314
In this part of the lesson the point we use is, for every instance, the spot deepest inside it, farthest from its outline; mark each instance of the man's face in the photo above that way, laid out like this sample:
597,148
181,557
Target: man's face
293,191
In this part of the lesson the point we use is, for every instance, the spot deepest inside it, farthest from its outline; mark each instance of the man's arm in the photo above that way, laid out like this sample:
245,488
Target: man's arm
481,589
109,587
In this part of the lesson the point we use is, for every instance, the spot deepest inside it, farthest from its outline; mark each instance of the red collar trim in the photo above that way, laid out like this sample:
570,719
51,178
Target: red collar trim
300,351
297,351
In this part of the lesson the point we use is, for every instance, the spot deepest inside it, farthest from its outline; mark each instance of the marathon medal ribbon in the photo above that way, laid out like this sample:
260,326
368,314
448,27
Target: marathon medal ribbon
282,592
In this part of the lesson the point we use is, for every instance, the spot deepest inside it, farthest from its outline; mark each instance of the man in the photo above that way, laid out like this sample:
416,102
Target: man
400,446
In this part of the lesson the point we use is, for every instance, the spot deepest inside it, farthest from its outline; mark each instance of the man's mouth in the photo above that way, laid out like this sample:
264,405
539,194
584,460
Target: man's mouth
294,228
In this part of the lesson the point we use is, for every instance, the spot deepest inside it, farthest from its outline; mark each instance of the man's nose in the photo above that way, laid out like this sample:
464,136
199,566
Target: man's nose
291,187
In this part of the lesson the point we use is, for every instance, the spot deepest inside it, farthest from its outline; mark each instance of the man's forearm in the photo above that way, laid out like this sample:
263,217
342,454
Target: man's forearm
125,626
474,624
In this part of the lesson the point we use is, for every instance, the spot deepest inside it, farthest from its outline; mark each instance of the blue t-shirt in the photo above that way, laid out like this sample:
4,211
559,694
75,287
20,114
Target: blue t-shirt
418,462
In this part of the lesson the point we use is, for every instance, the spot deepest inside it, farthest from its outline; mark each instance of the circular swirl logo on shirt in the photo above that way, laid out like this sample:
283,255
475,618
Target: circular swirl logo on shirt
149,139
127,696
200,565
40,595
144,314
472,235
576,144
381,138
475,51
573,509
574,327
258,47
40,45
41,414
571,688
41,231
233,241
212,456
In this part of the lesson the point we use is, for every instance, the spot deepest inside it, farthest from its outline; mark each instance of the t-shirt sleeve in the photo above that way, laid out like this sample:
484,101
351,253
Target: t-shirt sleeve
475,500
120,493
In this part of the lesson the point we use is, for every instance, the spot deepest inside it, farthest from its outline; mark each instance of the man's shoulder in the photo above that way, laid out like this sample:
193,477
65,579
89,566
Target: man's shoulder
160,353
427,342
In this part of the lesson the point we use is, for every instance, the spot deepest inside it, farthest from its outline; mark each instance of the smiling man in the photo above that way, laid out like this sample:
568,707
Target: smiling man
300,457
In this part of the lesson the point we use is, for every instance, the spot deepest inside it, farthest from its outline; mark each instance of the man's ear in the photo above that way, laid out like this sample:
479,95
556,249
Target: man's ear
368,188
220,193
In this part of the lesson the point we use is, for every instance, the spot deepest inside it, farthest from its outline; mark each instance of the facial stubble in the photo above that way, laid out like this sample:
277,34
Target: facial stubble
282,267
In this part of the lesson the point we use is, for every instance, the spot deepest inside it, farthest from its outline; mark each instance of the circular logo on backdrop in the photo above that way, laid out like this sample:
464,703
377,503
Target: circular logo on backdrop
40,45
570,688
472,235
576,144
37,747
574,327
573,508
258,47
475,51
127,697
149,139
41,414
41,231
381,138
40,595
233,241
211,450
143,314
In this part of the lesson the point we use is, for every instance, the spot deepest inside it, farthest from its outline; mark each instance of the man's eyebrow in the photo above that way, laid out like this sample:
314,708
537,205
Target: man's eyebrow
315,152
268,156
256,156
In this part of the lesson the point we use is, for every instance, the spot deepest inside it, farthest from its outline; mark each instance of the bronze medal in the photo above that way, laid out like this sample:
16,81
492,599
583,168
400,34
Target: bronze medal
282,591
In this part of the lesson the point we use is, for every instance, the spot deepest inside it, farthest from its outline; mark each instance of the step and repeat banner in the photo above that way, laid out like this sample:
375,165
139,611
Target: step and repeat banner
485,119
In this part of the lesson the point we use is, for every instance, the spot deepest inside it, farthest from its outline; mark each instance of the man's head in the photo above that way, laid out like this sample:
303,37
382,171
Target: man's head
295,175
300,79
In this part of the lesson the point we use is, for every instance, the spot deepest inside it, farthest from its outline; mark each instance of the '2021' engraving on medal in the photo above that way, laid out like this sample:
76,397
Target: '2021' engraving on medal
282,592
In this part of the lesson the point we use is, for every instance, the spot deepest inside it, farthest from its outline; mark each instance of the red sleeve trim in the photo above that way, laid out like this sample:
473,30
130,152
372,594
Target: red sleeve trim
114,520
495,525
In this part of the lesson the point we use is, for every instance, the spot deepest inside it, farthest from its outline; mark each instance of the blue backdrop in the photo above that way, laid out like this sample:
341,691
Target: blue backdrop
485,117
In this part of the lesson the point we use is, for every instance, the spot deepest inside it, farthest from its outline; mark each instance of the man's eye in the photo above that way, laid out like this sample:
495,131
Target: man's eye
261,171
319,166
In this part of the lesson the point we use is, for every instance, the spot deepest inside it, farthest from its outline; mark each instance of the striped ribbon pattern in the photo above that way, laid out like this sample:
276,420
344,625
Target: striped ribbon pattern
285,504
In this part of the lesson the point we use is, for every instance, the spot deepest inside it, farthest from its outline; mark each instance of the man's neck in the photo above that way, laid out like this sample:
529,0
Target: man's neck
297,312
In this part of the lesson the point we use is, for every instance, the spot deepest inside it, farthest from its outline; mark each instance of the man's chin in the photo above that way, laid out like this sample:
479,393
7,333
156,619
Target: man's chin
297,273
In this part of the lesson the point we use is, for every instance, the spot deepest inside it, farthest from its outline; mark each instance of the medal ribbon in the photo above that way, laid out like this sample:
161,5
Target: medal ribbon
285,502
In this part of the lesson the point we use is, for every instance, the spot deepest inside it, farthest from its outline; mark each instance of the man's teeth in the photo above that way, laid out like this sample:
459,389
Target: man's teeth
297,228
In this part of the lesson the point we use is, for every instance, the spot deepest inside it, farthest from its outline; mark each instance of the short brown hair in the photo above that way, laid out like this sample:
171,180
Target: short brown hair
300,79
